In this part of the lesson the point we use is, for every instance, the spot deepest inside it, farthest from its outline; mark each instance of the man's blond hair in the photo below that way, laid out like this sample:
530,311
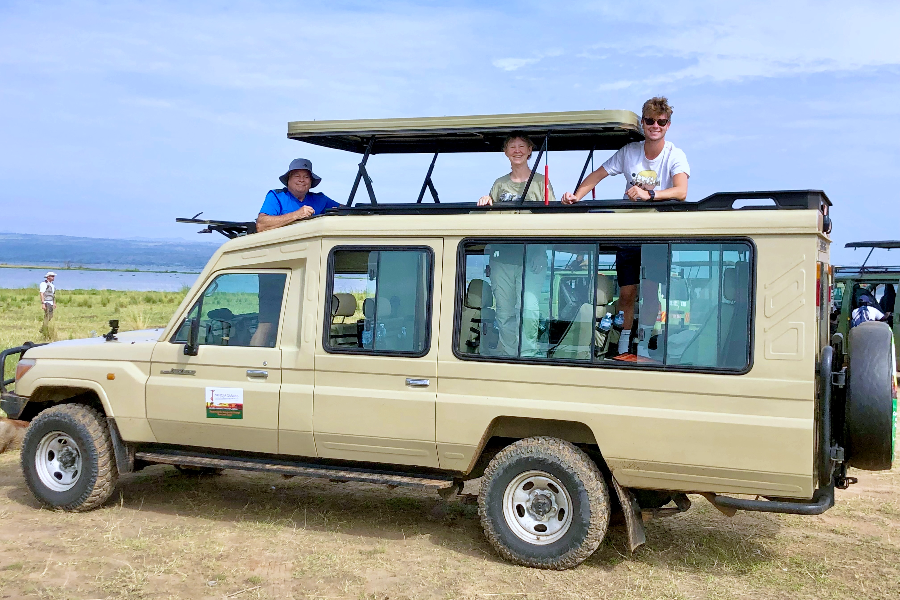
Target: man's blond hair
658,105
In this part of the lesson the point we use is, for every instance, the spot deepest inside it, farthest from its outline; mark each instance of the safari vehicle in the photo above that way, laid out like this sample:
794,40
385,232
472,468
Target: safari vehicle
381,343
883,282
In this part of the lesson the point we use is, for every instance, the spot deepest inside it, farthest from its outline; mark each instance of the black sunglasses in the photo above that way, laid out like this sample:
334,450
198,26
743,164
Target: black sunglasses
660,122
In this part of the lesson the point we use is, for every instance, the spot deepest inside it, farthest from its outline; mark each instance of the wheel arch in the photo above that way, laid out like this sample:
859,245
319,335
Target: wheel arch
505,430
49,393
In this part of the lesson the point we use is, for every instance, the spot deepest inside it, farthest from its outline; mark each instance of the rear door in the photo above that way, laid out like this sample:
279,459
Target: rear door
376,362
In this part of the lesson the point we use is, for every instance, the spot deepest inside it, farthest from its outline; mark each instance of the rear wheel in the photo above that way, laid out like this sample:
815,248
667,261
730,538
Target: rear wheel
544,503
870,420
67,458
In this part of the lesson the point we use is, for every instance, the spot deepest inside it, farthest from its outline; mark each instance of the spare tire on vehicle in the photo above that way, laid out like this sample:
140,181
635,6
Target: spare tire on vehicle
871,412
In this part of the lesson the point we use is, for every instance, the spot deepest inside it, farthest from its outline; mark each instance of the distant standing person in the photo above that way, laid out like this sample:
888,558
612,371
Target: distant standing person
47,293
294,202
654,170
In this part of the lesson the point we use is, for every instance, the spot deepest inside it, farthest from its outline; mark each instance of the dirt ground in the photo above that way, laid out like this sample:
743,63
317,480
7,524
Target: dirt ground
248,536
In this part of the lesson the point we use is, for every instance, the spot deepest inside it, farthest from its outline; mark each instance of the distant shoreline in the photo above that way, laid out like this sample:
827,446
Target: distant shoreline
79,268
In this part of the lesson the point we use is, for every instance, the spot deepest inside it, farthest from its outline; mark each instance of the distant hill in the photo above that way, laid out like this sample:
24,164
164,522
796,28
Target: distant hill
144,254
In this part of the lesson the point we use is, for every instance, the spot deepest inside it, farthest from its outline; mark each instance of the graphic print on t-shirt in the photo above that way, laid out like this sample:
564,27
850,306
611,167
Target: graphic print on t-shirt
646,180
508,197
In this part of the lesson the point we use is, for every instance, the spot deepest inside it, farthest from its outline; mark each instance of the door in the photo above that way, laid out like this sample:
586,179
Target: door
227,395
376,362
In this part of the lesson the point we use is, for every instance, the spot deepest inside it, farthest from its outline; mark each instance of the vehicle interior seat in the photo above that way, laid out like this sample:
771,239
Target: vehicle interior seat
576,341
220,328
722,340
479,298
343,305
604,302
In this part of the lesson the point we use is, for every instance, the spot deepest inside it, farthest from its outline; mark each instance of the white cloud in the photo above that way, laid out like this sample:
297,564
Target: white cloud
731,42
512,64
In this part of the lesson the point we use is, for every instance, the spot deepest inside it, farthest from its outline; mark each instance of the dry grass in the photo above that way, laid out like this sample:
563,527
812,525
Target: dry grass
247,535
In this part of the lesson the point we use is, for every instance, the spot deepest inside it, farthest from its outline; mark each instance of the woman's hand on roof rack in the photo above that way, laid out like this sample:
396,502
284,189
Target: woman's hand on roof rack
485,201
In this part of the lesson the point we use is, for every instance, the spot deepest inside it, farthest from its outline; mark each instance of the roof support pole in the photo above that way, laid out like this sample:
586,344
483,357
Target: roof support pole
534,168
584,168
364,175
871,250
429,184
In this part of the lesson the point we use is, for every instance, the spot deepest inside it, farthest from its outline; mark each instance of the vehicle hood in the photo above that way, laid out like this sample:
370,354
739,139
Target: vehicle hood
129,345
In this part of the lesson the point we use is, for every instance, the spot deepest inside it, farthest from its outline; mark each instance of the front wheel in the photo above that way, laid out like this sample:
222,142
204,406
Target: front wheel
67,458
544,503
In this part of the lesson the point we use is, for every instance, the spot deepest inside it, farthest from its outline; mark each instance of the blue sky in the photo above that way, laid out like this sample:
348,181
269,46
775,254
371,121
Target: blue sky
117,117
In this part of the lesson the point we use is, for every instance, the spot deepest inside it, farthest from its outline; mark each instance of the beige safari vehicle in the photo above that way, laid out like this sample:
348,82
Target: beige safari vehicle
426,344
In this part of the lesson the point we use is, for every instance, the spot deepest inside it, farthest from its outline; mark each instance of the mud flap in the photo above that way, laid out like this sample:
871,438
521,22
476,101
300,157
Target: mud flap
634,523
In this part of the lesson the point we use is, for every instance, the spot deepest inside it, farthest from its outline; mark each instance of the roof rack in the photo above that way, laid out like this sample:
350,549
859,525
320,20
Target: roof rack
230,229
722,201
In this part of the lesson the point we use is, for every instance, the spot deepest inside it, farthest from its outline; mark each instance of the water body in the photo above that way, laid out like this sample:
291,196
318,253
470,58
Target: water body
98,280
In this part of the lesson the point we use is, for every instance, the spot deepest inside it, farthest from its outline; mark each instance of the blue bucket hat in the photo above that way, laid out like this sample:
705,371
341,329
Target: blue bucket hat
301,163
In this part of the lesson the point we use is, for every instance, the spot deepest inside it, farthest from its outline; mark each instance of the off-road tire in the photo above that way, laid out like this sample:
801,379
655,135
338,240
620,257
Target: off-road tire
89,431
869,419
584,484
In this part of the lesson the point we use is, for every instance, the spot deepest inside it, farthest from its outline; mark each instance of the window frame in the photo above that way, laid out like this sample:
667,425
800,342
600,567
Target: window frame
243,271
329,292
460,291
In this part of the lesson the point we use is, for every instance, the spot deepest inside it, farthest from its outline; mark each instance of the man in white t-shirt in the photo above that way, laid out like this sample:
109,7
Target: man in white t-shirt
654,170
47,293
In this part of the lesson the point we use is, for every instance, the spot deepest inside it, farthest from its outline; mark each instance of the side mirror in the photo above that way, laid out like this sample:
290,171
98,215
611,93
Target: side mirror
191,347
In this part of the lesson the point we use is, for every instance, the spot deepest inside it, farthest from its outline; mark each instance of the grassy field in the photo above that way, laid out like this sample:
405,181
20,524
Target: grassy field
80,314
254,536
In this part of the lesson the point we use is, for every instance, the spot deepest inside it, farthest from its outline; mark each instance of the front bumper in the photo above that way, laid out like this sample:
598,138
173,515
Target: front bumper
12,404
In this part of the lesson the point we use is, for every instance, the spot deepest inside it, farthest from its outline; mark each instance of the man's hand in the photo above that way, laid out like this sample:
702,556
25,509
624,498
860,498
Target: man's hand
637,193
485,201
569,198
303,212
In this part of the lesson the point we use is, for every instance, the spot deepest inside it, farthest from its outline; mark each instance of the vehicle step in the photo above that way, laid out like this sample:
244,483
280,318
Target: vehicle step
433,482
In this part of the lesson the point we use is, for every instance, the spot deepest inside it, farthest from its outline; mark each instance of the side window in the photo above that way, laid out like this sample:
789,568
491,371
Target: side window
238,309
528,300
379,302
711,327
688,304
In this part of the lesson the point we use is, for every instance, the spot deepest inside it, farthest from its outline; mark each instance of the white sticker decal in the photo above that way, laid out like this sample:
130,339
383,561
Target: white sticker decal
224,403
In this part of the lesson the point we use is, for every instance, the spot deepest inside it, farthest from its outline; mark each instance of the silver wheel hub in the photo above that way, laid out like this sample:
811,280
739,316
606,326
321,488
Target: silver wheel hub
58,461
537,507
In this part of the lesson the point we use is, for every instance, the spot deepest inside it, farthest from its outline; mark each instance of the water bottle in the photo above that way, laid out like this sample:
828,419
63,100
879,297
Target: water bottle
601,337
619,321
380,332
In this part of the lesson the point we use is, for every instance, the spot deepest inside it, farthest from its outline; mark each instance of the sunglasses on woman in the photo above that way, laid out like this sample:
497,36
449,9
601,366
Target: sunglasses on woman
660,122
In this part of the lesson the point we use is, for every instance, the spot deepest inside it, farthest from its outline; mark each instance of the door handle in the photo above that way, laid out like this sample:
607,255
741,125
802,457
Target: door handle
257,373
412,382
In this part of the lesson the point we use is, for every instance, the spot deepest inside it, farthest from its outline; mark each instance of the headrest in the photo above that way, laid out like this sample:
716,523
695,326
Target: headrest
343,305
221,314
735,281
479,294
606,289
729,283
384,308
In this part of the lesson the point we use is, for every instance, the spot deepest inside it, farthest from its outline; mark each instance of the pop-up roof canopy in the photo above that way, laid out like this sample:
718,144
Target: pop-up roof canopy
582,130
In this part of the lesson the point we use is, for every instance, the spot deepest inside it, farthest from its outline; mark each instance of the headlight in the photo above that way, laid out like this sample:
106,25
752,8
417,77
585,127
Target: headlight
23,366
